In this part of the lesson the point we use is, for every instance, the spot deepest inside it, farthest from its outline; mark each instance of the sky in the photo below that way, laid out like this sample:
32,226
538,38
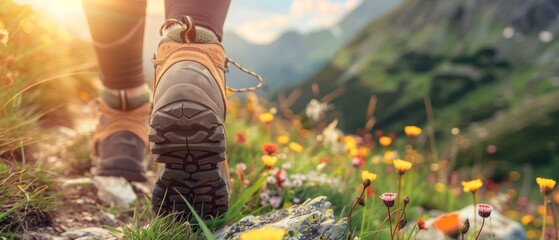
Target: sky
258,21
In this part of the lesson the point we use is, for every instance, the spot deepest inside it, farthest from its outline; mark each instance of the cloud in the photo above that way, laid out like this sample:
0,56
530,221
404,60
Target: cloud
264,30
303,16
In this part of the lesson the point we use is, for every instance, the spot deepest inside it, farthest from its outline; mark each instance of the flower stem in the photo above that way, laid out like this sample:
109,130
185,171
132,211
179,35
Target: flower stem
399,188
379,226
351,212
475,215
554,222
390,221
400,218
481,228
544,216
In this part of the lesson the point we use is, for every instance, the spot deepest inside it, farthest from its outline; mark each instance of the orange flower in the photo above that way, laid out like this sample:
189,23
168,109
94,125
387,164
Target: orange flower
385,141
449,224
240,137
412,131
270,149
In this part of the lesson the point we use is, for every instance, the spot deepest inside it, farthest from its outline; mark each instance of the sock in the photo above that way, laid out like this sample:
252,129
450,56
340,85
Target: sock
202,35
126,99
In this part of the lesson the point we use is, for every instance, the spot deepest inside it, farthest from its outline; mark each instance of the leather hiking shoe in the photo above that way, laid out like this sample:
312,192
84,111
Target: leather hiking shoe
120,142
187,133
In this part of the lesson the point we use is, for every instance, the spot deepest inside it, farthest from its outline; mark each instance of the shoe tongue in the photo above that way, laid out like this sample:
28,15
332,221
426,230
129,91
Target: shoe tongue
174,32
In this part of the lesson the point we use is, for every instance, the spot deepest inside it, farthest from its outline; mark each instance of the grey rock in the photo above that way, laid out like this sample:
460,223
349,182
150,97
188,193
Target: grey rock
501,227
88,233
114,190
313,219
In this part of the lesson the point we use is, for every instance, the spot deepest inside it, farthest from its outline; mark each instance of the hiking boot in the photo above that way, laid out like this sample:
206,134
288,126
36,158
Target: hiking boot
187,131
120,142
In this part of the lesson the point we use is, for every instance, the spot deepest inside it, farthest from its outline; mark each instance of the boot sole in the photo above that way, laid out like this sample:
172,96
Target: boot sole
189,138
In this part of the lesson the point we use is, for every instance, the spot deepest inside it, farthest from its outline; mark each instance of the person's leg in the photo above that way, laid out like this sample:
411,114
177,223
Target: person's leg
209,14
117,29
187,124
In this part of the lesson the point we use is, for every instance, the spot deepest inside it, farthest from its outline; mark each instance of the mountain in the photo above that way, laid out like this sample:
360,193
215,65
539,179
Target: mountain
489,68
293,57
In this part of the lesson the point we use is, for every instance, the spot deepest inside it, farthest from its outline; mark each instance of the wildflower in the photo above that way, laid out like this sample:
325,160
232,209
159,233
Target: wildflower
421,225
448,224
266,117
402,166
240,137
484,210
370,191
266,233
269,161
406,200
363,151
366,175
389,156
4,36
526,219
472,186
295,147
275,202
388,199
465,226
358,162
282,139
412,131
270,149
546,185
402,223
385,141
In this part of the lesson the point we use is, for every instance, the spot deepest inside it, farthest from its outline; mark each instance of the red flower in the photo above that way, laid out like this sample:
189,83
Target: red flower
241,137
270,149
358,162
324,159
421,225
370,191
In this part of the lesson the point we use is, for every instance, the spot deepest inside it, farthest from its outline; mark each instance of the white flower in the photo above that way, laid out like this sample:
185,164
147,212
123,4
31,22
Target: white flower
275,202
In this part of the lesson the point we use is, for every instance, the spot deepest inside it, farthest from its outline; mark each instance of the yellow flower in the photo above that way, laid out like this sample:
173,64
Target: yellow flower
282,139
546,185
352,152
389,157
266,117
402,166
266,233
364,151
375,160
349,142
295,147
472,186
526,219
367,175
385,141
269,161
412,131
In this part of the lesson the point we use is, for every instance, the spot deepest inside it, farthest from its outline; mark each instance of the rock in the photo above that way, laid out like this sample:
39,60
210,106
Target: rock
114,190
88,233
314,219
501,227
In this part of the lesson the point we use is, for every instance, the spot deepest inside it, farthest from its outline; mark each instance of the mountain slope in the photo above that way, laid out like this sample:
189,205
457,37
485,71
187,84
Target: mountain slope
293,57
478,61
